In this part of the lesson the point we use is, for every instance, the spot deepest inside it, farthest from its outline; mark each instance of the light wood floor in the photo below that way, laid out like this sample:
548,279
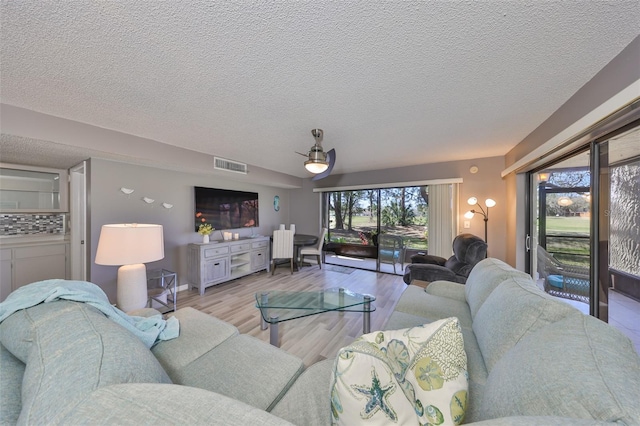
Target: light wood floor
312,338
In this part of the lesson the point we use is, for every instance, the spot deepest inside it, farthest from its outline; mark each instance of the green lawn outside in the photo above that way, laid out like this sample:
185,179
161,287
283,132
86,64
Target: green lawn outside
569,250
413,236
568,225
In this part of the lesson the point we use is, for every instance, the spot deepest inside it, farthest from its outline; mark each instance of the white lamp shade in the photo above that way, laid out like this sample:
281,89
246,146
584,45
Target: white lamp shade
316,166
130,243
472,201
489,202
469,215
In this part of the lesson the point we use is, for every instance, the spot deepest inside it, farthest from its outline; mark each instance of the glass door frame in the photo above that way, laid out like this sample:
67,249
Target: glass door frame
536,224
599,248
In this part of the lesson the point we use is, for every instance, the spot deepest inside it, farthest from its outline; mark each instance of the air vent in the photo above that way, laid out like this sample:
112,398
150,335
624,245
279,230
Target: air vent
228,165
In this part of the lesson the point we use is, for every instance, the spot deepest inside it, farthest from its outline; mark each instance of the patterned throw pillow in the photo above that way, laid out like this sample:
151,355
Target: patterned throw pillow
412,376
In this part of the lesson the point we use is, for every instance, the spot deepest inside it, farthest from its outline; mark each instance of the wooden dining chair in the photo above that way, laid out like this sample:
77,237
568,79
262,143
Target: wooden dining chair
282,248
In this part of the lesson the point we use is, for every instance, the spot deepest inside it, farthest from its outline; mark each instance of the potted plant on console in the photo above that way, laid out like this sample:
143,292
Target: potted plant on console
205,229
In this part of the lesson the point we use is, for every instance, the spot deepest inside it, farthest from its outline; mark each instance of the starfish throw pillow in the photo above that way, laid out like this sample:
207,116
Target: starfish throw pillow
415,376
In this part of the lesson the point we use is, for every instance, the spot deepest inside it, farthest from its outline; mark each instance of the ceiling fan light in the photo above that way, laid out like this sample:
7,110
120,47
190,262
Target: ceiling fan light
317,162
317,154
316,166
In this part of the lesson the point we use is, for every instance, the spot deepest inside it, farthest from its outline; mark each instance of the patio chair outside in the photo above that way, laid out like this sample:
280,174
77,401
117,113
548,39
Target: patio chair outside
391,250
563,280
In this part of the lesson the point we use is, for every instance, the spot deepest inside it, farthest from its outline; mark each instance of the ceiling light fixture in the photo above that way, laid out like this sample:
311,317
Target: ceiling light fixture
565,201
544,177
317,162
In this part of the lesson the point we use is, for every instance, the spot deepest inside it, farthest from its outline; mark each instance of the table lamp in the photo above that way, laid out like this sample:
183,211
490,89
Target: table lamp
130,245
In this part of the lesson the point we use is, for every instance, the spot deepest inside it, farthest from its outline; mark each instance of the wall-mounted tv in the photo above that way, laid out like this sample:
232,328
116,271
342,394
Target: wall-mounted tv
225,209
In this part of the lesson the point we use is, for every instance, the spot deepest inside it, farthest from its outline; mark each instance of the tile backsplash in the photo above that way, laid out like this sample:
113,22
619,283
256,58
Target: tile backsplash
31,224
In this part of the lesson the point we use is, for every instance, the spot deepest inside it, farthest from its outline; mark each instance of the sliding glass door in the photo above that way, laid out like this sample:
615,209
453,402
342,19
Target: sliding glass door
561,229
376,229
352,218
617,238
584,229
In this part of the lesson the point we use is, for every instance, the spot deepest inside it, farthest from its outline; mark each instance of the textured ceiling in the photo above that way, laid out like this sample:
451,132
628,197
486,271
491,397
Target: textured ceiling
391,83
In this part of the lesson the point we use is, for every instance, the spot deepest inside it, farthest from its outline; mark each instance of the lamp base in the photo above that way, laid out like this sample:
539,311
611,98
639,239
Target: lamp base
132,287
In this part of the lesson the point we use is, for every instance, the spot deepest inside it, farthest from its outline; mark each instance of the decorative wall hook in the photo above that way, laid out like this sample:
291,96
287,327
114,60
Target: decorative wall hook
167,205
126,191
148,200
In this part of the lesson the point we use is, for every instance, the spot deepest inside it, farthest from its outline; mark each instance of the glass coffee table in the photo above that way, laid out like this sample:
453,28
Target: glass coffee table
279,306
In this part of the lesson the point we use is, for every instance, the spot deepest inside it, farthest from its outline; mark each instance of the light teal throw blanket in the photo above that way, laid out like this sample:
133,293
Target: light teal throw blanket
150,330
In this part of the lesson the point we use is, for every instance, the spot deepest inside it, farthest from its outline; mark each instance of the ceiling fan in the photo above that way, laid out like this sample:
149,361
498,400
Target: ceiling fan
319,162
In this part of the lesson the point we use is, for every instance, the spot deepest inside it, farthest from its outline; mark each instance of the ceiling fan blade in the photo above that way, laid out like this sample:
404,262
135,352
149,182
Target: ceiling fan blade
331,158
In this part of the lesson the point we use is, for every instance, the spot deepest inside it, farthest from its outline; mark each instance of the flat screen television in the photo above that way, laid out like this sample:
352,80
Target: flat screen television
225,208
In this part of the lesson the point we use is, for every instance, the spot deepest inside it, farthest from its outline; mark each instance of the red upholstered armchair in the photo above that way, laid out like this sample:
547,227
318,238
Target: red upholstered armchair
467,251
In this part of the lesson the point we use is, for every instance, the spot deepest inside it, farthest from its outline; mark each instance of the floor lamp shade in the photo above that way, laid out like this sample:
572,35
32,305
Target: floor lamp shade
130,245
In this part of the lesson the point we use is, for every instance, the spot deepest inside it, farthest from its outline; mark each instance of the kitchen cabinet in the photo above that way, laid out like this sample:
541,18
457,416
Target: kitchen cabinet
26,189
25,263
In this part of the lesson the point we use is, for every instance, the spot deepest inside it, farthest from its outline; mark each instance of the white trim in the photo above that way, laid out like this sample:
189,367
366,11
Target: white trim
623,98
389,185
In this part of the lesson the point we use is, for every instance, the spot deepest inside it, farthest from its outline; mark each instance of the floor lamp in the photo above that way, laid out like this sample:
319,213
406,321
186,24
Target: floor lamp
130,245
473,201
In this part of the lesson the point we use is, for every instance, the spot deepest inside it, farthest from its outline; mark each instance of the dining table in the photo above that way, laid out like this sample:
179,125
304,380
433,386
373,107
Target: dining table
302,240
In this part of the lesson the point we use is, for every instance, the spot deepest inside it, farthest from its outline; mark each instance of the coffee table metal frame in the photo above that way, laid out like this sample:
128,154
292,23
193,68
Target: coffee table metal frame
279,306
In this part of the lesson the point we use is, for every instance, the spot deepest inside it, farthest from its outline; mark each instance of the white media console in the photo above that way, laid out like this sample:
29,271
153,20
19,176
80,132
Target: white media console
221,261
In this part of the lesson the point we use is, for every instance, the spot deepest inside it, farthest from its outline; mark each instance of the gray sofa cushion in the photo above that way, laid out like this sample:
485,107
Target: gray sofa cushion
515,308
73,350
484,278
10,387
542,420
307,401
416,301
538,376
398,320
199,333
159,405
243,368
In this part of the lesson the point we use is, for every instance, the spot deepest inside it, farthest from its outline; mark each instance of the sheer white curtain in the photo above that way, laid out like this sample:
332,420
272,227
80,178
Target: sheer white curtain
443,218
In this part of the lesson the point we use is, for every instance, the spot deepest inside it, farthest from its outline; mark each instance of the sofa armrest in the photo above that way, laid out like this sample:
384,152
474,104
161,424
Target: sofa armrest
428,259
448,289
427,272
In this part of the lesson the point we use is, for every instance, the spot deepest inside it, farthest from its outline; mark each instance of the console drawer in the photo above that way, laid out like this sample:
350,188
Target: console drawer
235,248
215,251
260,244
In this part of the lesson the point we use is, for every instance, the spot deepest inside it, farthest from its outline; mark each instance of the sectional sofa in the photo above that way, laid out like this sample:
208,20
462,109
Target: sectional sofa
531,360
